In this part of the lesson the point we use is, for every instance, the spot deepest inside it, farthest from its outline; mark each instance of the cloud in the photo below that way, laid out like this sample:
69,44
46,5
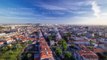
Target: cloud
17,12
96,9
53,11
65,5
89,21
62,8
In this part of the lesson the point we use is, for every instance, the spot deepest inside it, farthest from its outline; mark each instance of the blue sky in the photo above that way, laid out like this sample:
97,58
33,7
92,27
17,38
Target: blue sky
53,11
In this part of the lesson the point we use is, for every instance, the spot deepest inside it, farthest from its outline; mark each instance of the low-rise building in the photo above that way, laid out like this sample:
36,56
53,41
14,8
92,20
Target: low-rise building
1,44
84,42
87,55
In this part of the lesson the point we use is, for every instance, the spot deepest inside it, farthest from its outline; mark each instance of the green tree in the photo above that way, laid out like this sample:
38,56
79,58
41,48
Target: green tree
29,42
63,44
1,27
29,55
50,37
58,51
10,46
7,57
14,47
68,56
4,49
19,46
10,52
91,42
72,45
68,34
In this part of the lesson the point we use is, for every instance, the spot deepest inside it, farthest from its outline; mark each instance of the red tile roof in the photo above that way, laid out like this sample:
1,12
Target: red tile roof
98,50
1,43
45,50
88,54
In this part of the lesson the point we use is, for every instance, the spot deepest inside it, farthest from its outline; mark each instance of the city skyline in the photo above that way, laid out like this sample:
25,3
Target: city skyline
54,11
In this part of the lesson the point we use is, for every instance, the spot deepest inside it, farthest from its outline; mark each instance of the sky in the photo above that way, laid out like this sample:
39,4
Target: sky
54,11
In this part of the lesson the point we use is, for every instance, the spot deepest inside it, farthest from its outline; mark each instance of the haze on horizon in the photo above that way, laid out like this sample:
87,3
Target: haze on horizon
54,11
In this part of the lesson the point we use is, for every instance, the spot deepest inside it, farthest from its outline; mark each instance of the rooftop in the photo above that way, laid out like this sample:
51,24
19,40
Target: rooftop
88,54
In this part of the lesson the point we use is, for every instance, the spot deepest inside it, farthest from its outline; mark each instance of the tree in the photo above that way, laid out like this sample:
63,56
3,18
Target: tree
72,45
105,55
19,46
68,34
9,46
29,42
4,49
63,44
50,37
68,56
14,47
90,47
91,42
1,27
29,55
58,51
83,34
7,57
10,52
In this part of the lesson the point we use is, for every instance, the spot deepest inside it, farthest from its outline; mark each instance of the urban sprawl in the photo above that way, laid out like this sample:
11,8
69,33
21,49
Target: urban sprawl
53,42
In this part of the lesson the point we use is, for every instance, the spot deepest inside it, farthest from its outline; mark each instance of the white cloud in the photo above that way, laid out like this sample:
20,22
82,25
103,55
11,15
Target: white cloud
96,9
52,7
104,14
64,5
17,12
90,21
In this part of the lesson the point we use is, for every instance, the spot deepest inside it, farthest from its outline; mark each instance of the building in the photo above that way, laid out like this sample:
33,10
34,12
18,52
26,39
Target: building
105,34
45,52
1,44
87,55
84,42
